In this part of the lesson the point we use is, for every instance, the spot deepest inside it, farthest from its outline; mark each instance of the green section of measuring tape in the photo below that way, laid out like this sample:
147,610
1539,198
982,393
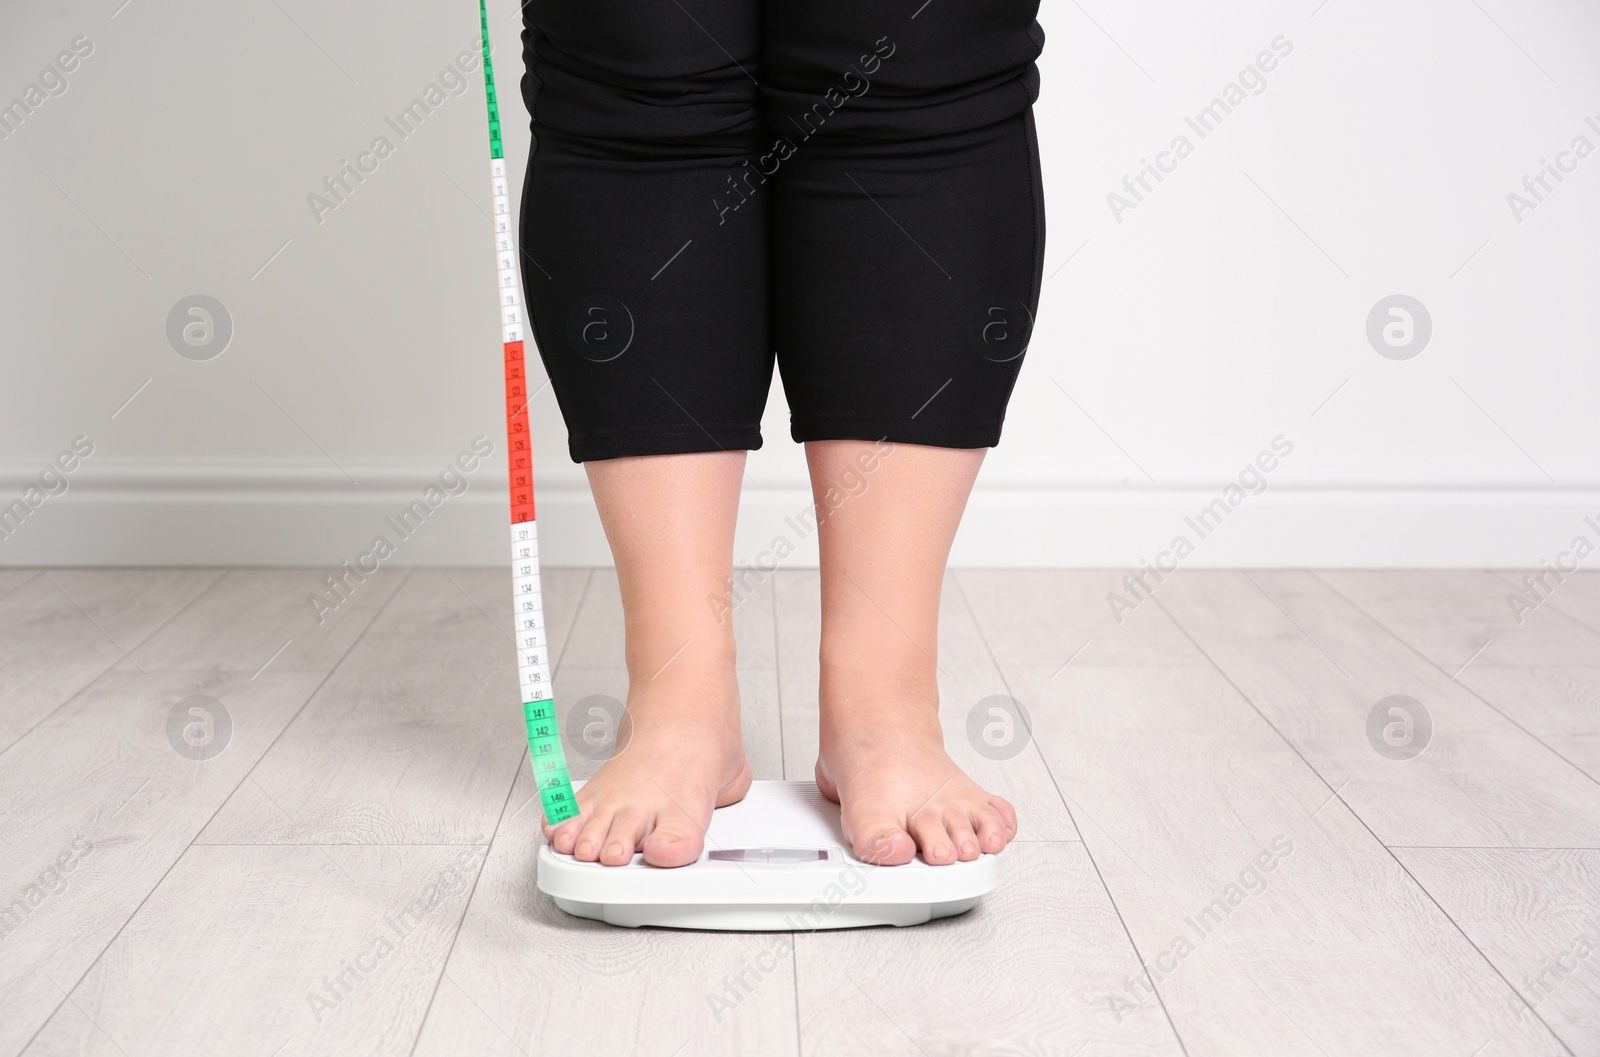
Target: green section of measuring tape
549,763
495,148
544,729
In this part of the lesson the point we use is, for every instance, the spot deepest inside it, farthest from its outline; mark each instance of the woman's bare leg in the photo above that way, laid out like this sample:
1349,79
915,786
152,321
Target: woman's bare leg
669,520
888,515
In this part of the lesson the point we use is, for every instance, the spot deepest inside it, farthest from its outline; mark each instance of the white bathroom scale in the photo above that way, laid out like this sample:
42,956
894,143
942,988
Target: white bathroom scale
774,862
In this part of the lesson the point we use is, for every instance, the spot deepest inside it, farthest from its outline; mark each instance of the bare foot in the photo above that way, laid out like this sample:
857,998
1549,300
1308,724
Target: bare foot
681,755
883,762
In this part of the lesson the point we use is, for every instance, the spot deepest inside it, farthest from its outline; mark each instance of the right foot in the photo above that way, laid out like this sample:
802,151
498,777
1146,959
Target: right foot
680,755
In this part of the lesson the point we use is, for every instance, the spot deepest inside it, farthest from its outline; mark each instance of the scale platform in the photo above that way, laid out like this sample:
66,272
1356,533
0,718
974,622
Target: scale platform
774,862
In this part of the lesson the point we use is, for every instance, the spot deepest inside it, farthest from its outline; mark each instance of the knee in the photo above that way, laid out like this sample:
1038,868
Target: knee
962,67
601,71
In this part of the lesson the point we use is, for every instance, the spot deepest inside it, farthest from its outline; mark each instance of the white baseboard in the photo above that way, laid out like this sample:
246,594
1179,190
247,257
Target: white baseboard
290,514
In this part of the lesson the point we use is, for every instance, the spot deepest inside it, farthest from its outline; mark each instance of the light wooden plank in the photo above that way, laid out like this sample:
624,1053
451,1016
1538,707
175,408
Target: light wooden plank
562,590
1457,617
525,978
1560,706
758,711
1578,595
130,604
413,739
11,579
1051,616
753,599
1536,916
598,632
254,618
761,718
100,782
1186,797
1026,971
599,641
274,950
61,629
1316,667
967,677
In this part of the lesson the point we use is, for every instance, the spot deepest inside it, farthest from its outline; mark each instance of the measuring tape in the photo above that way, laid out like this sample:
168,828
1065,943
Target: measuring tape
539,707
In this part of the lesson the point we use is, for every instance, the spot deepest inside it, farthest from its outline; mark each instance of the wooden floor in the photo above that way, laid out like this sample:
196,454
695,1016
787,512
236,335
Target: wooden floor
1215,858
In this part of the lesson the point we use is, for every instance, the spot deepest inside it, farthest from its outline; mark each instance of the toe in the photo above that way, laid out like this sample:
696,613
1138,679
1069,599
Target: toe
881,841
933,839
592,837
627,826
991,828
563,837
1008,815
673,843
958,823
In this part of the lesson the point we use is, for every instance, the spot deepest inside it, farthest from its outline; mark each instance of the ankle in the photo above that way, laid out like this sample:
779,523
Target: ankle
689,689
874,710
681,652
878,670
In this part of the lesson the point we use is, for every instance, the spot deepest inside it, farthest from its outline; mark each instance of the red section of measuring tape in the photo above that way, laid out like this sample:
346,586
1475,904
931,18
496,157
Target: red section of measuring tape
518,449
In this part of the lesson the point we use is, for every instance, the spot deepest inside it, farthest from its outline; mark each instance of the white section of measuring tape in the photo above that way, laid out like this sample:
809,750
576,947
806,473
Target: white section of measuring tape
533,667
511,316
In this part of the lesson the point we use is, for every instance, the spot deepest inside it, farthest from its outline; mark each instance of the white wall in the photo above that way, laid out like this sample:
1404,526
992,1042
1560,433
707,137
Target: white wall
1174,343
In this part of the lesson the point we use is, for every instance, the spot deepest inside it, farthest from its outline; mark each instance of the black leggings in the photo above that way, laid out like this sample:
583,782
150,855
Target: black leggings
851,187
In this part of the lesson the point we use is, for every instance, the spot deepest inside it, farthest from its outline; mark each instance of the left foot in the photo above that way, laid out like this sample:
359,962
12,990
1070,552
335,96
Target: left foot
882,760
